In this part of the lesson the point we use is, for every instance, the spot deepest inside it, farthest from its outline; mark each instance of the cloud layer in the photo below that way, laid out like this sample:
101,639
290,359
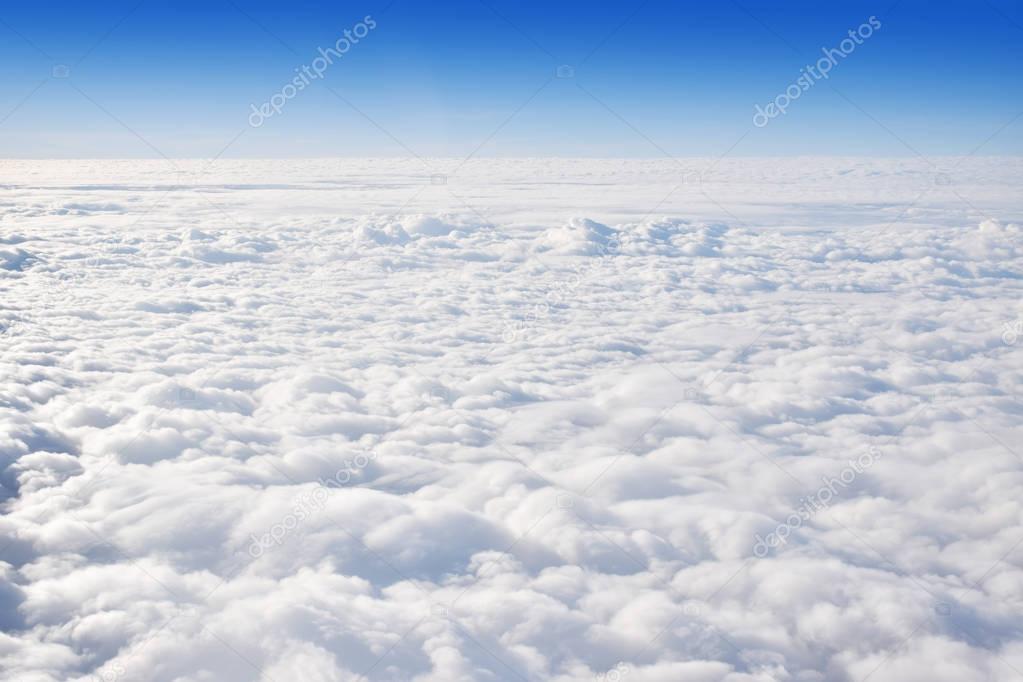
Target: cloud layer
312,422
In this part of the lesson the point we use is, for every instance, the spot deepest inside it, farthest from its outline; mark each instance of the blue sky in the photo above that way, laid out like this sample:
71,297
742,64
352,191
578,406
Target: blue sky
179,78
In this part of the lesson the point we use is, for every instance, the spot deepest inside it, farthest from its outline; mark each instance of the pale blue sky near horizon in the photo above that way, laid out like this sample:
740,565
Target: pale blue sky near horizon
179,78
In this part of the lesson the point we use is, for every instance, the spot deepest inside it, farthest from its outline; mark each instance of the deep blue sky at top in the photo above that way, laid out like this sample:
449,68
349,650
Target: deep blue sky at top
440,78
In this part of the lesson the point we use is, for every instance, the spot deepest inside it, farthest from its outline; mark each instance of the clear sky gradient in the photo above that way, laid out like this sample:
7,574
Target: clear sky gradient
645,79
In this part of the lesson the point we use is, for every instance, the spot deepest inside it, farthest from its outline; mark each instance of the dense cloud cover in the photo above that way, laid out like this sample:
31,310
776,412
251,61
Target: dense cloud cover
595,420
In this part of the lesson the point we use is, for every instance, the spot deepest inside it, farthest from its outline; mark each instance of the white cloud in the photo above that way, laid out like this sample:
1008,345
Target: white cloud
579,501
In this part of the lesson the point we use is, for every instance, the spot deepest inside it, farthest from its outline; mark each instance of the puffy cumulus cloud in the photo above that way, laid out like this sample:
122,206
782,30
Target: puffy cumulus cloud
377,231
581,236
676,237
535,440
